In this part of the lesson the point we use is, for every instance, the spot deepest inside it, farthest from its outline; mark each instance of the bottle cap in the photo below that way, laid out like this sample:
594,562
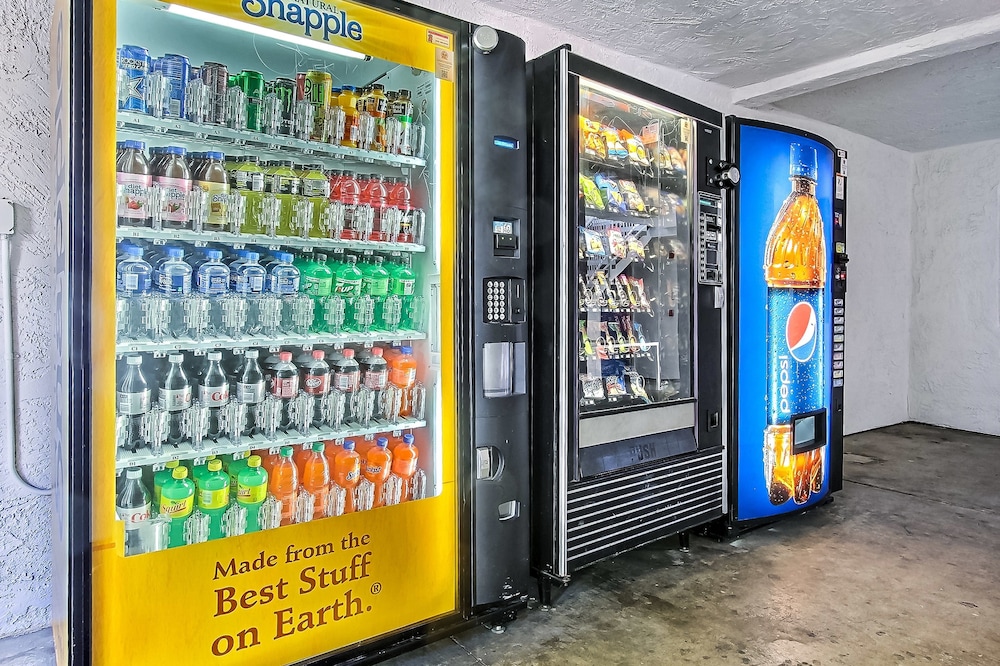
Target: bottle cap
215,155
214,255
376,351
214,465
250,353
133,360
133,473
320,257
135,145
284,257
286,452
175,150
180,472
349,88
214,356
406,349
285,356
252,257
802,162
319,354
348,353
133,251
176,358
407,439
318,446
403,92
170,464
381,442
253,461
175,253
349,445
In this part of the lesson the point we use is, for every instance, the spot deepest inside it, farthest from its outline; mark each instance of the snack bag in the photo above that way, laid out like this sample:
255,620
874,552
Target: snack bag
592,387
636,151
586,347
592,140
614,385
633,200
677,162
605,295
635,248
639,289
637,385
616,241
593,243
612,196
616,147
591,195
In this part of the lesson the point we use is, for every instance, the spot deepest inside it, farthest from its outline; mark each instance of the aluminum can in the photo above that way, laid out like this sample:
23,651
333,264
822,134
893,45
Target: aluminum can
177,70
216,78
133,64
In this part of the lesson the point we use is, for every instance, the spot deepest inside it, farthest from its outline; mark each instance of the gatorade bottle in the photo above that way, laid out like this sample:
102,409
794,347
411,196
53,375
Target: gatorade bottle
177,502
404,462
348,101
348,193
400,199
347,472
284,485
213,496
378,463
375,195
316,478
403,375
251,491
161,477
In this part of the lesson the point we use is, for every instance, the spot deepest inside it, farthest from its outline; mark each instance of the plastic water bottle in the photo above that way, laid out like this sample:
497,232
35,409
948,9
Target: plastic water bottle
212,281
250,388
214,394
283,278
133,401
133,506
175,398
134,277
249,278
173,279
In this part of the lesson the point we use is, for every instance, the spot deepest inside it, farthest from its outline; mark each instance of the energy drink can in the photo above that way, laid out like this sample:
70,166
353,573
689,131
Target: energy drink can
176,69
285,90
252,85
216,78
316,89
133,66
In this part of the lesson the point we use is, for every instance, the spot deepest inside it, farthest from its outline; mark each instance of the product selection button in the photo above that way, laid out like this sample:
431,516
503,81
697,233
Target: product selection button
838,348
838,356
838,383
838,338
838,302
838,320
838,374
838,365
838,311
838,329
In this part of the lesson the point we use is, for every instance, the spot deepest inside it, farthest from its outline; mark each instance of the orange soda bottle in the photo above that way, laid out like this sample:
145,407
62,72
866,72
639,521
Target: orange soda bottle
284,484
316,478
404,463
403,375
378,462
347,472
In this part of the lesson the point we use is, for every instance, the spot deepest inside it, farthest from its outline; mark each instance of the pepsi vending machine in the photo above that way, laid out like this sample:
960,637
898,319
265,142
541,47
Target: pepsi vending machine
788,283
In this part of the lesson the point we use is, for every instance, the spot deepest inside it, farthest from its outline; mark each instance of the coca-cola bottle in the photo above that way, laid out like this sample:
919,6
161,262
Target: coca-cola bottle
214,394
316,382
285,386
175,398
133,402
133,507
250,387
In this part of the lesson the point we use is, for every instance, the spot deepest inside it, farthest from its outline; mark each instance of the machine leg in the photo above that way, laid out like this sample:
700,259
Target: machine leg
545,592
685,539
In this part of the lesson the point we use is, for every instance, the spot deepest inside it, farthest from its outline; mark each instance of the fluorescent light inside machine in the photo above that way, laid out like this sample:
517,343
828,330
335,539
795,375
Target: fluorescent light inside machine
215,19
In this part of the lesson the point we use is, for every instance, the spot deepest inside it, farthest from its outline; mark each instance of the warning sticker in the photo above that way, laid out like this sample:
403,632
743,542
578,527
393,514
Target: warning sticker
442,39
444,64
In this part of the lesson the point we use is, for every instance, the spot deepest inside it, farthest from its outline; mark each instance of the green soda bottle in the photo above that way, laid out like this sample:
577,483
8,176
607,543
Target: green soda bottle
252,491
177,501
347,281
233,469
213,496
199,471
161,477
317,282
375,283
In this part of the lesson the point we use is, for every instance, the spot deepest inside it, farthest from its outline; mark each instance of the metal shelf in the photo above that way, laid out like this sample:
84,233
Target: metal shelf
223,446
272,242
279,145
188,344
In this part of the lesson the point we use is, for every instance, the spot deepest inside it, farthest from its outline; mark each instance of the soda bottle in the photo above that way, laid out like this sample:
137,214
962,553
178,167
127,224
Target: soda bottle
133,401
133,280
346,372
795,273
317,281
348,279
378,463
316,382
133,507
250,388
284,484
403,283
213,496
375,283
198,471
285,386
214,394
177,502
374,370
161,477
251,491
316,478
175,398
404,462
347,472
403,375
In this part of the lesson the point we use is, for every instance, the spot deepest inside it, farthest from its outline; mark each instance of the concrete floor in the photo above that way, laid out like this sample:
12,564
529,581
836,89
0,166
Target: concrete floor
904,567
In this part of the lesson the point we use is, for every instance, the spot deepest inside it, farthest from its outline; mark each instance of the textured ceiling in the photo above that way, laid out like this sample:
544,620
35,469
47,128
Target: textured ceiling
943,102
741,42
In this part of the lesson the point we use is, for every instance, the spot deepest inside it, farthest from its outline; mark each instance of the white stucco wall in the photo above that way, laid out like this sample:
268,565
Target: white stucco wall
25,545
878,318
955,350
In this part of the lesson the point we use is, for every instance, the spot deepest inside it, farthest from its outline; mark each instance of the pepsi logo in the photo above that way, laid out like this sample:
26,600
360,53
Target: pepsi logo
800,332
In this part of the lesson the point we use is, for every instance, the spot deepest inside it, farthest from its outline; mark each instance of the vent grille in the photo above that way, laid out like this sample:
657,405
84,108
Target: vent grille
614,513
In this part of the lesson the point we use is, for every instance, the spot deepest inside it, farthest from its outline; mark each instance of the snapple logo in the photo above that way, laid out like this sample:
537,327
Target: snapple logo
334,23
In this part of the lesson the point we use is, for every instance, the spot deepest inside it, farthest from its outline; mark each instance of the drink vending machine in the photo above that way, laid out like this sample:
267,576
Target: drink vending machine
293,396
788,265
629,316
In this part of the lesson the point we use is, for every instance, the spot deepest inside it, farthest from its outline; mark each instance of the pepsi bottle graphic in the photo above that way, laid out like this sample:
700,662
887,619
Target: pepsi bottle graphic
795,274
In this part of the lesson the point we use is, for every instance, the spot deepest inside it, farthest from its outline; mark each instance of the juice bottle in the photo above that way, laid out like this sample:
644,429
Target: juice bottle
316,478
134,179
376,104
177,501
348,101
213,178
213,496
403,375
375,196
251,491
378,462
172,174
248,179
316,187
284,484
404,462
161,477
347,472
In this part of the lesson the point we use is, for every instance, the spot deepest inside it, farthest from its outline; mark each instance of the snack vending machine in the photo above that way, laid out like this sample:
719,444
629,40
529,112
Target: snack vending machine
788,287
293,369
629,284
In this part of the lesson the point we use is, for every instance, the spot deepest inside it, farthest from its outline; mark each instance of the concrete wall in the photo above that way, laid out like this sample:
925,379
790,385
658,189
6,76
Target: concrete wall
878,320
25,548
955,345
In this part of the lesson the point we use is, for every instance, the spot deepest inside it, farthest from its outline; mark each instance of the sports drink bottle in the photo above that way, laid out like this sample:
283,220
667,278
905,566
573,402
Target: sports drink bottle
795,274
